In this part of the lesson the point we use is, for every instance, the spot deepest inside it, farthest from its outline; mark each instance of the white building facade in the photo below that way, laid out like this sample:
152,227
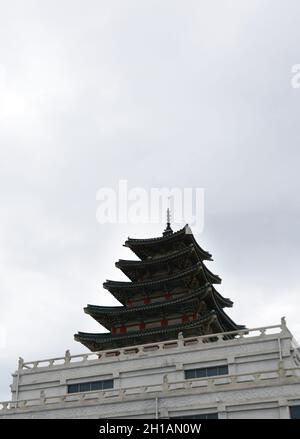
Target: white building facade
254,375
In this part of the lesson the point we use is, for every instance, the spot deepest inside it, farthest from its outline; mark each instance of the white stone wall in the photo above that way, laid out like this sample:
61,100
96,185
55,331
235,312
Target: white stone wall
149,381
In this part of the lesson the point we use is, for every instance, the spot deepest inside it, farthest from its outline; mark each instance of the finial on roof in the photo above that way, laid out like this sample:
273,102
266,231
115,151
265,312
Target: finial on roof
168,230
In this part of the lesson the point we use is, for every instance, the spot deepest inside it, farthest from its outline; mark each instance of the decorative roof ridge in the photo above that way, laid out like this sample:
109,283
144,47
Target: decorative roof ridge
115,309
126,262
123,284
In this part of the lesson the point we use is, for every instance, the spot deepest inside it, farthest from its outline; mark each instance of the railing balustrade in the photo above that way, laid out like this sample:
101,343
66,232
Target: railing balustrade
201,384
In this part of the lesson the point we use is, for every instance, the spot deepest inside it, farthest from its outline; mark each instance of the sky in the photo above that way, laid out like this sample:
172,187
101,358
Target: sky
171,93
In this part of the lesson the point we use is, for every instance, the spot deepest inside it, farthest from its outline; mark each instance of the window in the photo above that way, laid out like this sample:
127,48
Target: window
205,372
200,416
90,386
85,387
97,385
72,388
295,412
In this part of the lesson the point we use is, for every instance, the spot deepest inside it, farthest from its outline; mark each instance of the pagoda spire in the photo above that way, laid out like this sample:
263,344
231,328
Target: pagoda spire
168,230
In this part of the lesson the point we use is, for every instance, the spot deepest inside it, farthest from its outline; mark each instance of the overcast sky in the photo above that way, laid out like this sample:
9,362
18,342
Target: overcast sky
161,93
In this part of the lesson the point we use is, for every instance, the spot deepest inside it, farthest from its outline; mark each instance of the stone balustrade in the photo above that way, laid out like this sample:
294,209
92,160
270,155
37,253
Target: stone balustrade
224,337
201,384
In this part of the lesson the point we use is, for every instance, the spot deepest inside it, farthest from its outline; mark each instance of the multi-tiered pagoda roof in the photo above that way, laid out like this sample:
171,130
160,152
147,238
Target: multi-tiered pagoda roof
170,290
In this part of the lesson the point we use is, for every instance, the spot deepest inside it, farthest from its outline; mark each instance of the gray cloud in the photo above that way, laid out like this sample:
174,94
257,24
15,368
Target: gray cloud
178,94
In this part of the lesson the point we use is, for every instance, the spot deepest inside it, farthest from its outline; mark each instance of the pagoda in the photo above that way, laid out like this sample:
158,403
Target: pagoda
170,291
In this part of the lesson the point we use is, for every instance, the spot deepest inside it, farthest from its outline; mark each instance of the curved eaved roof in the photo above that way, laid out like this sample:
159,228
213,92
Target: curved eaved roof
155,261
101,341
111,284
185,234
105,314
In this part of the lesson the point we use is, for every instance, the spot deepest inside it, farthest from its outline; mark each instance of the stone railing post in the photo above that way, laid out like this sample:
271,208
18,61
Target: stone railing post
180,339
281,369
67,357
121,394
20,363
42,397
283,323
165,385
256,376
